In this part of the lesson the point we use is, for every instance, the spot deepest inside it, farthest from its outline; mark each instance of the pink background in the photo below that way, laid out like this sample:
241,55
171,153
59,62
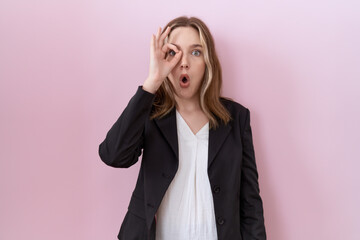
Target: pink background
68,69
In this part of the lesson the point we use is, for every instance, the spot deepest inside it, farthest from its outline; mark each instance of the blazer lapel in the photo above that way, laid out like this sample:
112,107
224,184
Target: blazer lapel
167,126
216,139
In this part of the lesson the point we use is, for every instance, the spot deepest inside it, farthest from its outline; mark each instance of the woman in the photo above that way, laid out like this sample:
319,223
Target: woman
198,176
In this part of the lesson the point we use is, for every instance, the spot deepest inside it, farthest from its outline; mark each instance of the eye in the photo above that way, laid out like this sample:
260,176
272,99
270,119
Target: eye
172,52
196,53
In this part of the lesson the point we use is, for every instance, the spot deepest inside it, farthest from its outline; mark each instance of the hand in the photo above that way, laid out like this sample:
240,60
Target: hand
159,66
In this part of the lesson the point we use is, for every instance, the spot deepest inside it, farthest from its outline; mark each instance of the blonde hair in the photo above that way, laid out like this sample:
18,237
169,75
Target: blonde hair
210,89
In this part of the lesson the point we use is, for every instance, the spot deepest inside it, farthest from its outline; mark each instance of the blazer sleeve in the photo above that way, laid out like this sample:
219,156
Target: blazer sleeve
123,143
251,207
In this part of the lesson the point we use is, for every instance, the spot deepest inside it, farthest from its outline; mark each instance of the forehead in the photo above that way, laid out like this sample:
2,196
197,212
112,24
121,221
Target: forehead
184,36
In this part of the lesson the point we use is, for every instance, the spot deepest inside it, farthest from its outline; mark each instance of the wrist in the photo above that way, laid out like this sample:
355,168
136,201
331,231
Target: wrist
147,86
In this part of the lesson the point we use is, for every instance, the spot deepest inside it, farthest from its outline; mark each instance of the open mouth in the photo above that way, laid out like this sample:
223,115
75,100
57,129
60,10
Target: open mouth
184,78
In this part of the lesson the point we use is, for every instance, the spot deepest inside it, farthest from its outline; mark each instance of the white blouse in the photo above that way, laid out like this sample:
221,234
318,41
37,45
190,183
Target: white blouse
187,209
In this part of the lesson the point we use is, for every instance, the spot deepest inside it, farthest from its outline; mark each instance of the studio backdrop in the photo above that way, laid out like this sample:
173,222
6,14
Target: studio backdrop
68,69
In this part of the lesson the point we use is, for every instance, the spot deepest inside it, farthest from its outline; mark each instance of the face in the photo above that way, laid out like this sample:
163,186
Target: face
191,64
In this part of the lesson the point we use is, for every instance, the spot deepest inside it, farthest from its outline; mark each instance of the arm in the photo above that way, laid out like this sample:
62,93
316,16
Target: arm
251,208
123,143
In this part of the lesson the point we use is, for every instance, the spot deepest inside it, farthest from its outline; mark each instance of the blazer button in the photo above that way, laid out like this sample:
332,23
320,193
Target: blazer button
220,220
216,189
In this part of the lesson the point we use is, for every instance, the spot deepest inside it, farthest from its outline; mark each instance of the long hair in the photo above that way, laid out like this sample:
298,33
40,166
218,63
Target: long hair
211,84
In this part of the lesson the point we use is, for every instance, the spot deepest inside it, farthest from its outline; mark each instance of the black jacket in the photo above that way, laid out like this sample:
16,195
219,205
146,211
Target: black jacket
231,169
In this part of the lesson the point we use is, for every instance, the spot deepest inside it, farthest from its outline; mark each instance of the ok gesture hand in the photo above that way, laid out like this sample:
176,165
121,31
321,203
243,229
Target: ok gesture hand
160,67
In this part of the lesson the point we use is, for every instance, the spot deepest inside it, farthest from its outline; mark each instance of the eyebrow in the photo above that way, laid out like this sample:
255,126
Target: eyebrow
194,45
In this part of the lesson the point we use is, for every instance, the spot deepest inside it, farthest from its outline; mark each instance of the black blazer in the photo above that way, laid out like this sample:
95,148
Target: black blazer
231,169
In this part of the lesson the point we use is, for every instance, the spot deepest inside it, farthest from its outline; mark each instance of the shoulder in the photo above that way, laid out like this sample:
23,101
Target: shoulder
240,114
233,107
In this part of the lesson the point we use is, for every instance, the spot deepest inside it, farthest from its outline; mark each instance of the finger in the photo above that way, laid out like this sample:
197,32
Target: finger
152,44
169,46
157,37
163,36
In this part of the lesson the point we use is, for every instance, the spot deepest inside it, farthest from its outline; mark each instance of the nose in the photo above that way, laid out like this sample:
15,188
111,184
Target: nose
184,62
